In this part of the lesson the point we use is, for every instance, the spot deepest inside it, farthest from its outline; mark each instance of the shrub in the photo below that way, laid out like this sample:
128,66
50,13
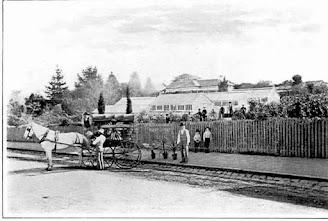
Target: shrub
16,121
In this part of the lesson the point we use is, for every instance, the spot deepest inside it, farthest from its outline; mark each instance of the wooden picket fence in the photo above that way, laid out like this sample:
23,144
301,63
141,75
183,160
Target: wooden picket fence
279,137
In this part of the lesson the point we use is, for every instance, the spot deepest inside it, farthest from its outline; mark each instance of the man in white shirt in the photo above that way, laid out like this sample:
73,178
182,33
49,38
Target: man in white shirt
183,141
99,142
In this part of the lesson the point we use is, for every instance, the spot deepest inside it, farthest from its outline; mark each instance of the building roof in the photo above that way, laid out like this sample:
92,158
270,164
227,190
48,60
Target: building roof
139,104
177,99
240,94
195,83
184,83
208,82
227,96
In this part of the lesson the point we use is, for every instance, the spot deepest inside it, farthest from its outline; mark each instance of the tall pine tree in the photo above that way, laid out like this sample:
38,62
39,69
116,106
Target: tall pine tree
57,87
149,88
135,85
112,89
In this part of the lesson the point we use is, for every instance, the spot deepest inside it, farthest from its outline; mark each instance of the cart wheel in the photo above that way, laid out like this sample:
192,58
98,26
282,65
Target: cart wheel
108,156
128,155
89,158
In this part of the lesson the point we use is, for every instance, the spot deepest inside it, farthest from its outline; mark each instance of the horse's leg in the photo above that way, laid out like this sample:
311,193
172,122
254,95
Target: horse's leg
79,151
49,158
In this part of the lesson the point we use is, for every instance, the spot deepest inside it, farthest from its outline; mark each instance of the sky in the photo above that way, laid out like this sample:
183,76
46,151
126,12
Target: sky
246,41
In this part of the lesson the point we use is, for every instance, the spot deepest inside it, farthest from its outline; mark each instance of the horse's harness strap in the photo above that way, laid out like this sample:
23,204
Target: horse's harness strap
55,138
77,140
43,138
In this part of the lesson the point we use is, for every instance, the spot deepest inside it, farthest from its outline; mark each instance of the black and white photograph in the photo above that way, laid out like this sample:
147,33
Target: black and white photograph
164,109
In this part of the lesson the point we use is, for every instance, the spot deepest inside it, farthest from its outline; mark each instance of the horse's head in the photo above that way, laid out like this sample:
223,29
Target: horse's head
28,132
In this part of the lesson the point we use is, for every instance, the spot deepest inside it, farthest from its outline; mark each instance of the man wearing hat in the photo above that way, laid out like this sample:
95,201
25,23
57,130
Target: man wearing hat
99,142
86,121
183,141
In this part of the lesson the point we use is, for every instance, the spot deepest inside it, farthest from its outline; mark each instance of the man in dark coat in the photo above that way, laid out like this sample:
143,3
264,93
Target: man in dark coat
222,112
243,109
200,114
204,113
230,109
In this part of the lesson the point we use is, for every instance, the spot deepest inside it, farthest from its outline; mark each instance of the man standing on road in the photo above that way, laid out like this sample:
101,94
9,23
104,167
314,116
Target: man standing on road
183,141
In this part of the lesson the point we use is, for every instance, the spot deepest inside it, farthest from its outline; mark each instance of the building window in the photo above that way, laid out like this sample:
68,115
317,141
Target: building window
235,103
264,99
217,103
225,103
153,107
166,107
159,107
188,107
180,107
173,107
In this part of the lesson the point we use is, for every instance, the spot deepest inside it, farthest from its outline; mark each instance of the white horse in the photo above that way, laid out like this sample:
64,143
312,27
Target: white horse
52,140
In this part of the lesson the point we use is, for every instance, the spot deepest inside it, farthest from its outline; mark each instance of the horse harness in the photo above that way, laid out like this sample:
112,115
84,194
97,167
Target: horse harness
77,140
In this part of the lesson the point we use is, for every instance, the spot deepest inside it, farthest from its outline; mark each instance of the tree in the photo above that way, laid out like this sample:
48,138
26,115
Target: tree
89,74
15,108
310,87
321,88
135,84
297,79
304,105
223,85
57,88
112,89
129,102
16,104
149,87
243,86
101,104
87,88
35,104
262,84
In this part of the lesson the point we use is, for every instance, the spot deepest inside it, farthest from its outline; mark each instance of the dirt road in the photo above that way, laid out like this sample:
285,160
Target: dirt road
69,192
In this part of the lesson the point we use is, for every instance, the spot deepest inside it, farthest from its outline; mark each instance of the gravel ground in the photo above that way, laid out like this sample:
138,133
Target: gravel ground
142,192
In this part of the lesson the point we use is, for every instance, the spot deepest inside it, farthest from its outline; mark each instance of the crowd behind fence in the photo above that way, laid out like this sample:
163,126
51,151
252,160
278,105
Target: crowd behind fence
279,137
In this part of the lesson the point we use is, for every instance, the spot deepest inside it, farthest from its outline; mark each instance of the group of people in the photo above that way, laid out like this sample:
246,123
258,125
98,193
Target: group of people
184,141
98,139
202,114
